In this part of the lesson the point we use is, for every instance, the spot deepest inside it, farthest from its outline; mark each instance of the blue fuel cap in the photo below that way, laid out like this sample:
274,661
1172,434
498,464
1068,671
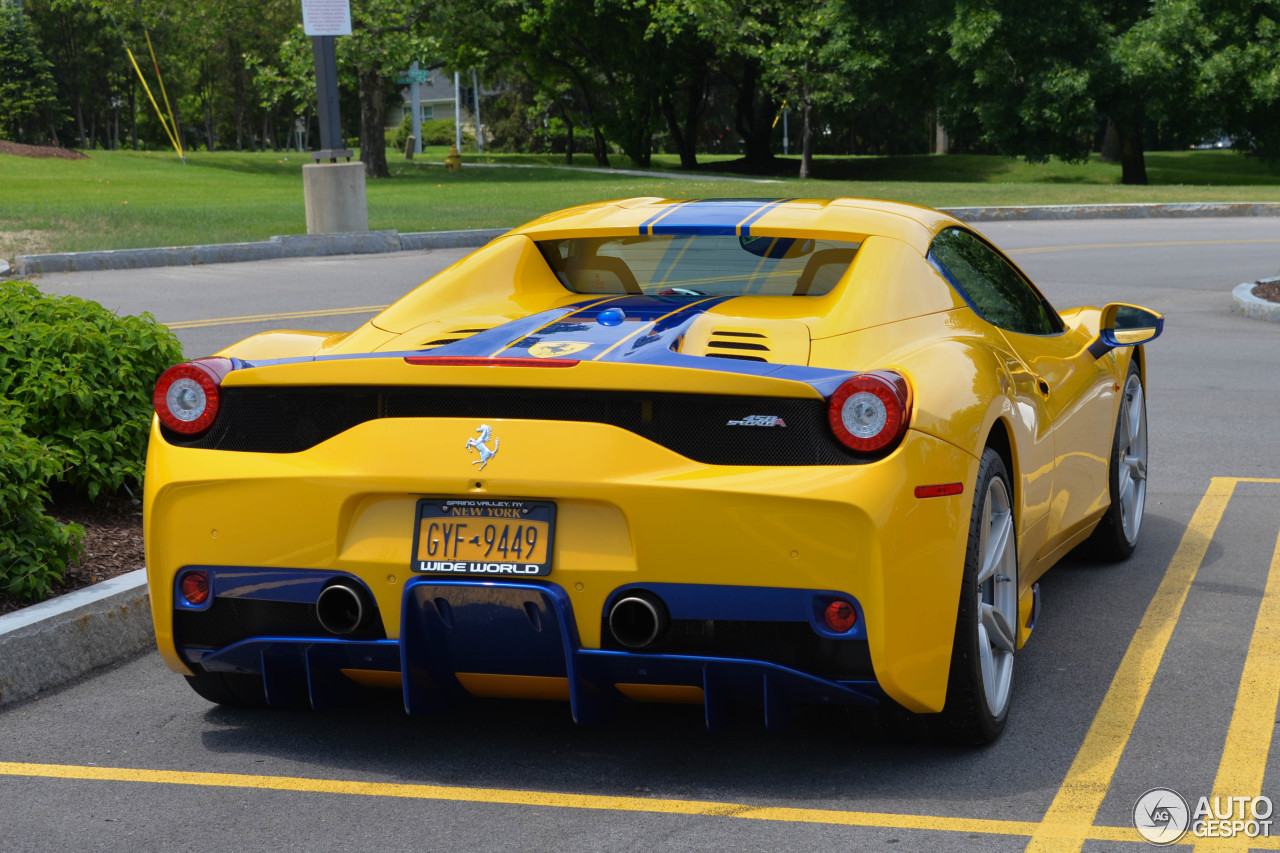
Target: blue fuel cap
611,316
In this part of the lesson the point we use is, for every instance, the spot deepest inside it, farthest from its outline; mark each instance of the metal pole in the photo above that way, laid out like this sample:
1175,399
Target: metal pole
785,140
475,88
416,102
457,112
326,58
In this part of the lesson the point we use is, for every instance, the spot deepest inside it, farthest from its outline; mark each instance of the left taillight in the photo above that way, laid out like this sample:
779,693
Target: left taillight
869,412
187,395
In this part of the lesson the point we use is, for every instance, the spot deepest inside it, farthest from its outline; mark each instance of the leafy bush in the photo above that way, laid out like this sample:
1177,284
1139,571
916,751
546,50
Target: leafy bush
437,131
34,548
82,378
75,409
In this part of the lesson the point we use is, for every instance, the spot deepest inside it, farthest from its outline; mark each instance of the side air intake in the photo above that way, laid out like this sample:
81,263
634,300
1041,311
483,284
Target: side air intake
745,346
451,337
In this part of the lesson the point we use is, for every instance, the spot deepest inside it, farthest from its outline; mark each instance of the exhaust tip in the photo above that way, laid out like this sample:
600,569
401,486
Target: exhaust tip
341,608
638,620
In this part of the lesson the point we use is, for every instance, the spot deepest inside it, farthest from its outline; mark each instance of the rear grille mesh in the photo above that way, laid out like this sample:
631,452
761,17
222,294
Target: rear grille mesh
697,426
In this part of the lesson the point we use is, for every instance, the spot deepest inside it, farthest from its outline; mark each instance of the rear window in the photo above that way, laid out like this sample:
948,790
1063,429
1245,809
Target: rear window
699,265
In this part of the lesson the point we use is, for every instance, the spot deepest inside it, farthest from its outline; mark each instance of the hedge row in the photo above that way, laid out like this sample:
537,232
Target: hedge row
75,410
438,131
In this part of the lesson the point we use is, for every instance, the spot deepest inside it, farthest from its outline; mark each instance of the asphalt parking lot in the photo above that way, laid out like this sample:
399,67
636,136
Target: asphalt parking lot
1162,672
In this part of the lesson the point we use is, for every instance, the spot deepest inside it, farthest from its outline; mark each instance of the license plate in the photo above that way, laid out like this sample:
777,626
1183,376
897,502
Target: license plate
470,536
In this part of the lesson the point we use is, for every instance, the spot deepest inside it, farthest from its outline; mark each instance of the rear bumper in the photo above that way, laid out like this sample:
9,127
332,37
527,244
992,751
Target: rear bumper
509,638
630,514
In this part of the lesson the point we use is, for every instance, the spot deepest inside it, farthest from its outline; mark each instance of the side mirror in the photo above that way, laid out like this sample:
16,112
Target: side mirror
1126,325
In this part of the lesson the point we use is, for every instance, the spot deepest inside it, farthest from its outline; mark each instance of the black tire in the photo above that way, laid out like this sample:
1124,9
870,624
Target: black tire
1116,536
232,690
976,709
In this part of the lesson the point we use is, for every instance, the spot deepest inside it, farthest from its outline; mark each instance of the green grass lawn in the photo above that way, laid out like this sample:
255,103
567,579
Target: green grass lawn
121,199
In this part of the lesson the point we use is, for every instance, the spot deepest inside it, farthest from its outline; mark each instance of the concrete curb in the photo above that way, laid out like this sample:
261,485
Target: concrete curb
287,246
369,242
1244,302
1174,210
50,643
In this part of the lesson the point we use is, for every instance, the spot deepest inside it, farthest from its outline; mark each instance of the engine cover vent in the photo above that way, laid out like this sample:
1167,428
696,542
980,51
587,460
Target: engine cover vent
748,339
452,337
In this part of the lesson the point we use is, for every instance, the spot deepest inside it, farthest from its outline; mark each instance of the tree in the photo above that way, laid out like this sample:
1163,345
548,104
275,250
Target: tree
286,82
1042,78
385,37
1240,73
28,95
1028,72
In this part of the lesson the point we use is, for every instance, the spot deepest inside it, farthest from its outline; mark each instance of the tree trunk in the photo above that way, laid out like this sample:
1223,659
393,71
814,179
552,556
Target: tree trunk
1111,151
806,137
1133,166
568,142
602,149
684,134
76,105
753,116
373,106
133,115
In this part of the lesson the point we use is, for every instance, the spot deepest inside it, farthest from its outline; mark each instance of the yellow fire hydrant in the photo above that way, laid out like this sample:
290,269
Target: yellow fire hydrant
453,159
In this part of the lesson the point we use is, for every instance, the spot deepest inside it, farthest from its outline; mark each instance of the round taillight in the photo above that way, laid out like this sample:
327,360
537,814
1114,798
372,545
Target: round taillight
869,412
187,398
195,588
840,616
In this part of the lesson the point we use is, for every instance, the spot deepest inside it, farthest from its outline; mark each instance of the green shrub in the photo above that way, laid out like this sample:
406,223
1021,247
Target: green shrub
82,378
434,132
34,548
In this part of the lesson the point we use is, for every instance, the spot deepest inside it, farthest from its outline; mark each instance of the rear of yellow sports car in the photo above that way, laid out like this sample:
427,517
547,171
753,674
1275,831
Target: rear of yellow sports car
537,477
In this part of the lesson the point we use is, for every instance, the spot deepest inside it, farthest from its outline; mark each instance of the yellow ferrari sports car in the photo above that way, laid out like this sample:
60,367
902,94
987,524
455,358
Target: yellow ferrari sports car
726,452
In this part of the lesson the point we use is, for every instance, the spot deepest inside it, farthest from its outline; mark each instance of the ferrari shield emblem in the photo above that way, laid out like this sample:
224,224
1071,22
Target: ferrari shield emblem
555,349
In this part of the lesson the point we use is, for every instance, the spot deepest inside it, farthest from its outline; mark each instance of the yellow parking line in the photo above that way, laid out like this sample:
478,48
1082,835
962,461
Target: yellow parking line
1244,758
1095,246
547,799
1069,820
264,318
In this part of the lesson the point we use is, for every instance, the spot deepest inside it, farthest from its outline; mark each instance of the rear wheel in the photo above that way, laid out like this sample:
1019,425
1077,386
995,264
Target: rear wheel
981,675
1116,535
233,690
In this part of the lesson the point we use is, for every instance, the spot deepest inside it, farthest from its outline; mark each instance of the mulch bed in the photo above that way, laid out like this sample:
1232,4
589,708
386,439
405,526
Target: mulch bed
39,151
1268,290
112,543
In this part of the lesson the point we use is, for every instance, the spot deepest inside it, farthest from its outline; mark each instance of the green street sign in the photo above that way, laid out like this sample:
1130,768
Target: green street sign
411,76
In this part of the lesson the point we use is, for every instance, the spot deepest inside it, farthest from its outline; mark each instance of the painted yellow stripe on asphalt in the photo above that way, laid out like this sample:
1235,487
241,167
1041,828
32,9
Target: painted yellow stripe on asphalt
1244,758
546,799
1095,246
1069,821
266,318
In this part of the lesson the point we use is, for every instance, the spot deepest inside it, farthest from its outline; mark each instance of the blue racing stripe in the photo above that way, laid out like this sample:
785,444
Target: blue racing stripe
746,225
580,335
715,216
646,227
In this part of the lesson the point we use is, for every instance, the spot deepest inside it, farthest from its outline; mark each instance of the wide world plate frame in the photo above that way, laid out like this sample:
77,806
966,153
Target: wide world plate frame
487,548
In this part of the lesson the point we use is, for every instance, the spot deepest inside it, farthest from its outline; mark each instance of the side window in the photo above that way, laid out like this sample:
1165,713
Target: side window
991,285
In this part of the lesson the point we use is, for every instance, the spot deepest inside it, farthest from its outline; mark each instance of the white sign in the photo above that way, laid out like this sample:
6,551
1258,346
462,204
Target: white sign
326,17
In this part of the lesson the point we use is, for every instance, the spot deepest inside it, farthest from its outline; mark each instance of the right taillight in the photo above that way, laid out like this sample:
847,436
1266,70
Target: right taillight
187,395
869,412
